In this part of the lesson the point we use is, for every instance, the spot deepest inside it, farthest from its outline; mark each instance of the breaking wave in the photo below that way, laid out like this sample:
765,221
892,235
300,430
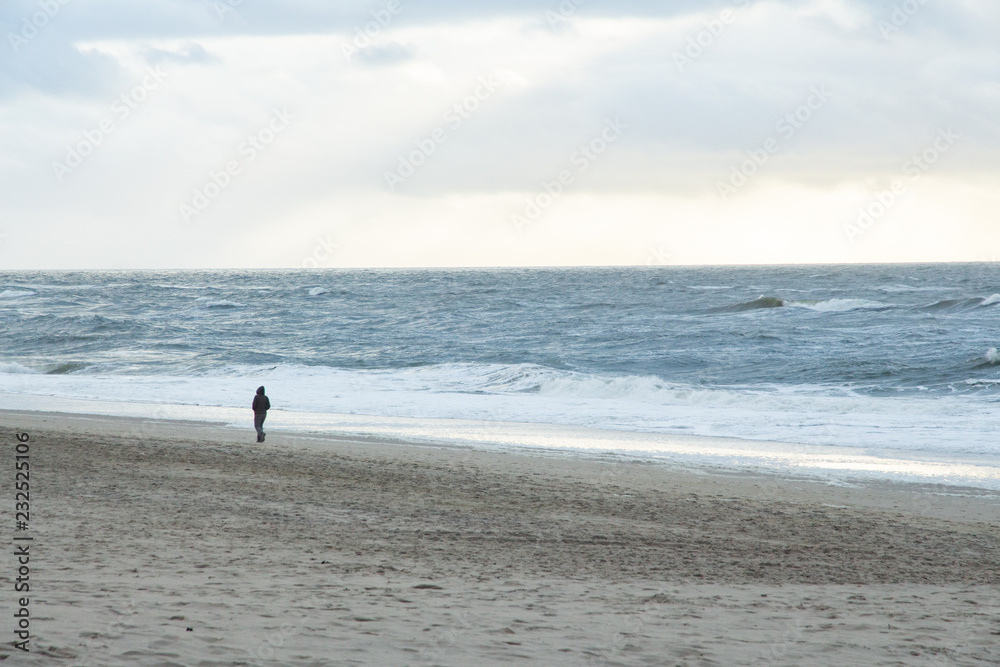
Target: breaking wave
962,304
15,294
16,369
756,304
840,305
827,306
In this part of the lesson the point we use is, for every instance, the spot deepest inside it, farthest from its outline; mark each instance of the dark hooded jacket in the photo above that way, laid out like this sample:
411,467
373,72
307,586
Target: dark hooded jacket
260,402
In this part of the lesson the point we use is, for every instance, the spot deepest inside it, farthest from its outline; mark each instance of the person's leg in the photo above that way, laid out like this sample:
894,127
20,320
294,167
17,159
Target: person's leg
263,436
258,424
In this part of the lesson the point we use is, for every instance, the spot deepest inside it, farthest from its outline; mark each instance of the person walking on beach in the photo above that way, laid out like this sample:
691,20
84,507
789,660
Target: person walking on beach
260,407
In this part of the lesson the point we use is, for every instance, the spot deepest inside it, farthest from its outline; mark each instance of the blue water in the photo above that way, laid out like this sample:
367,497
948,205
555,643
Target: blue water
900,356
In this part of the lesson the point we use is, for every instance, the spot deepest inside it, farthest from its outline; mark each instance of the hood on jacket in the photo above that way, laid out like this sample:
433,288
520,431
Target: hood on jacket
260,391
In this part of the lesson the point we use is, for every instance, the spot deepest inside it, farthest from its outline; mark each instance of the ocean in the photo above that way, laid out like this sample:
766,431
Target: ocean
843,372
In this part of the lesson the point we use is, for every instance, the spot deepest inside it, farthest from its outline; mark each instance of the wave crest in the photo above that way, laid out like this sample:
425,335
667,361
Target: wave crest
756,304
826,306
220,303
66,368
963,304
17,369
15,294
840,305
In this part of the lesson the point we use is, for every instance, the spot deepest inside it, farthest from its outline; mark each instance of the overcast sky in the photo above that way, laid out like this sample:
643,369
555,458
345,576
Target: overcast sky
258,133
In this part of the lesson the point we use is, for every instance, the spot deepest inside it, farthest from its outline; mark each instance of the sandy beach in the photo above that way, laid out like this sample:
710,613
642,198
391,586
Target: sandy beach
166,543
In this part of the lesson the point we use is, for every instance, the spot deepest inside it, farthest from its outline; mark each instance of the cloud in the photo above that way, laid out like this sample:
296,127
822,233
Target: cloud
190,54
56,69
701,93
391,53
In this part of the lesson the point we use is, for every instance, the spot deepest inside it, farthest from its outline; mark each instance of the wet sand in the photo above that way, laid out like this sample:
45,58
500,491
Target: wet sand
166,543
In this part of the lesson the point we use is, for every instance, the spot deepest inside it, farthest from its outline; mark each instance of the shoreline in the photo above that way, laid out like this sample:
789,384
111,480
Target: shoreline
836,464
371,552
857,489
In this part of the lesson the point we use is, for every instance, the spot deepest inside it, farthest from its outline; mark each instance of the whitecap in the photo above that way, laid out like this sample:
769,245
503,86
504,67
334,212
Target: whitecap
15,294
991,300
982,382
839,305
17,369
